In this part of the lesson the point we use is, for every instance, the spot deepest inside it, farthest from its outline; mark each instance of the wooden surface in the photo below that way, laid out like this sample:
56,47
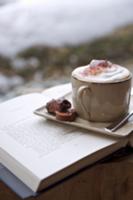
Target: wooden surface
111,179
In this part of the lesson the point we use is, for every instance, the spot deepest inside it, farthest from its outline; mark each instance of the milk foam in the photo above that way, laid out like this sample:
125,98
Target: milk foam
109,74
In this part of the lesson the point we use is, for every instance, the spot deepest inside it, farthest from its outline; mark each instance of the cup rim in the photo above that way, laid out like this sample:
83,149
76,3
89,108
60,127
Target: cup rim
106,83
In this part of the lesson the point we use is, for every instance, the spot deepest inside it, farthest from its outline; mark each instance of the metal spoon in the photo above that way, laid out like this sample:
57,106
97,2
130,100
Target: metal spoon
119,123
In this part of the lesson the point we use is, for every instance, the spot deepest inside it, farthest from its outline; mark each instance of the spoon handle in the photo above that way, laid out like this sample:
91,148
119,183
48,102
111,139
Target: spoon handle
119,123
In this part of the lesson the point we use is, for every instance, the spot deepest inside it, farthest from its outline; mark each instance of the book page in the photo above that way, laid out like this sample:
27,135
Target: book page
31,146
34,133
1,167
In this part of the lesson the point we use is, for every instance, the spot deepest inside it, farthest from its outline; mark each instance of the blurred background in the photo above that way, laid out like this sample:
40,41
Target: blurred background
42,41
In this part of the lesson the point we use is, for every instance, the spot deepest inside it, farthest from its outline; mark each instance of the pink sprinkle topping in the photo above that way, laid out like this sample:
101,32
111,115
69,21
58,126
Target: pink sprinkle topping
97,67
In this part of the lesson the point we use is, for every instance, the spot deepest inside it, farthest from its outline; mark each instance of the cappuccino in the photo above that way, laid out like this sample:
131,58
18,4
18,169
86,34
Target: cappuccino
101,91
101,71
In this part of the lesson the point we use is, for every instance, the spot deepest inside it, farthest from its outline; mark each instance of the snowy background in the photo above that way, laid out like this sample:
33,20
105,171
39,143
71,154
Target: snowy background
57,22
54,23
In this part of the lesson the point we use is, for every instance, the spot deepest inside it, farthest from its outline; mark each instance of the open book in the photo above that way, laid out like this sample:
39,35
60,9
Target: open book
41,152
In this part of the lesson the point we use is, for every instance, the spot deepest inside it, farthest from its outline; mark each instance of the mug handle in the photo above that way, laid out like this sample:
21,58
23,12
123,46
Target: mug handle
80,99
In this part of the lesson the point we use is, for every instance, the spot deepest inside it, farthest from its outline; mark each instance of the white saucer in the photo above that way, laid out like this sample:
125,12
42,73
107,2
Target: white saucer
91,126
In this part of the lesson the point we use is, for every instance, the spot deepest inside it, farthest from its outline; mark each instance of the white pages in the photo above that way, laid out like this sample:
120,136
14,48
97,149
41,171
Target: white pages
34,148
